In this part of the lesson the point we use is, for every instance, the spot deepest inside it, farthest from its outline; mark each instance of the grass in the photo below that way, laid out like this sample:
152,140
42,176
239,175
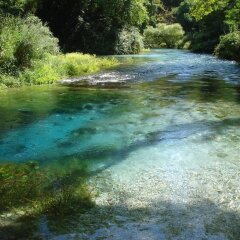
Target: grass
56,67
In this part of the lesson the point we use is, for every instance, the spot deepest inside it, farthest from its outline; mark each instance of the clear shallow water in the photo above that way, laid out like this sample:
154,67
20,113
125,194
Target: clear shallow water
163,96
162,130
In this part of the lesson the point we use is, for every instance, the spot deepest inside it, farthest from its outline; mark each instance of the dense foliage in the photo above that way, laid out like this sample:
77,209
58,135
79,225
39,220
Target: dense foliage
29,53
203,33
99,26
229,46
17,7
206,21
23,41
163,36
129,40
92,26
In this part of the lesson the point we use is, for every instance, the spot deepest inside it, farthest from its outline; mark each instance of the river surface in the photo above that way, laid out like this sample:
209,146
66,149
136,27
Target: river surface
160,135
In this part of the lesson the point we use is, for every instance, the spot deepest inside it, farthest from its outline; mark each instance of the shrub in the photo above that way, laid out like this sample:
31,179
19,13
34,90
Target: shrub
77,64
129,41
9,81
229,46
42,72
22,41
2,87
163,36
30,54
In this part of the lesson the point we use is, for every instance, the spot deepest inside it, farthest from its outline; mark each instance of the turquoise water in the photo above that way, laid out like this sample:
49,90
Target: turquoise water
160,135
163,96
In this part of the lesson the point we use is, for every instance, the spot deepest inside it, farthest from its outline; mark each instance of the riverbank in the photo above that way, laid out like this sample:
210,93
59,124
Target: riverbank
56,67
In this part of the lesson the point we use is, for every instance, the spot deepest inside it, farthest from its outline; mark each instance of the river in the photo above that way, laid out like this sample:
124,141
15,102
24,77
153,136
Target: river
160,135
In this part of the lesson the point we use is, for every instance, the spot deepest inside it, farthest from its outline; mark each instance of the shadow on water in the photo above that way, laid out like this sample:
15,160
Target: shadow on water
165,220
173,132
210,89
107,157
237,94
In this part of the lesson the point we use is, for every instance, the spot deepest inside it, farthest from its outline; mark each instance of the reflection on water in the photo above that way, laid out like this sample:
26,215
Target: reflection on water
167,109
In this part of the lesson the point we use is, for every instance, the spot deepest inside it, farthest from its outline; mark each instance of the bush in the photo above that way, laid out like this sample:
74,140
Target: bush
9,81
3,87
22,41
42,72
229,46
163,36
129,41
30,54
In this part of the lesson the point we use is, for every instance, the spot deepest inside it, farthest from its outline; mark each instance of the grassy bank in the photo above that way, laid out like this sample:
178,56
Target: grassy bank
29,54
56,67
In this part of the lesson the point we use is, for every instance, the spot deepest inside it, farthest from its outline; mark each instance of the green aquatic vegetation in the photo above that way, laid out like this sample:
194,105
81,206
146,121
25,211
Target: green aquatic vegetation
66,202
26,104
42,191
19,184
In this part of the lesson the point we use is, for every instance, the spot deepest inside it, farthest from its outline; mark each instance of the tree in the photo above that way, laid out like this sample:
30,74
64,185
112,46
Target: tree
17,7
92,26
231,9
